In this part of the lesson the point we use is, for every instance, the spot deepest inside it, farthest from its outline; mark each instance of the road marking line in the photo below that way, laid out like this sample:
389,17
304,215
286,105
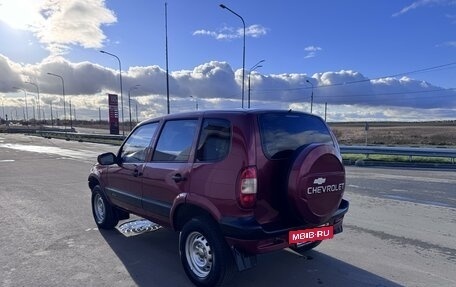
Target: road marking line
7,160
80,154
378,176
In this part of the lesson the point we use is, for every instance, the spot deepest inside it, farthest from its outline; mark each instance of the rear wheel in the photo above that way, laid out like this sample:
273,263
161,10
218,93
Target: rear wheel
205,256
103,212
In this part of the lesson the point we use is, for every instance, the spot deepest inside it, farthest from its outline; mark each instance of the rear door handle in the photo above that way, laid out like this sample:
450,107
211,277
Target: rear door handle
178,177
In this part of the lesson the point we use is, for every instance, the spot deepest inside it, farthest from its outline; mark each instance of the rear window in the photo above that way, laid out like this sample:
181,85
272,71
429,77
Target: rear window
282,133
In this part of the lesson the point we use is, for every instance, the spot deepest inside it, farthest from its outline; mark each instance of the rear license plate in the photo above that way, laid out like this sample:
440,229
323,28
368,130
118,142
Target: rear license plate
314,234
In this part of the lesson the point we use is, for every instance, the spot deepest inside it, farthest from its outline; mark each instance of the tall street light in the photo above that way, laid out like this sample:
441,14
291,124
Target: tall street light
196,101
129,101
3,107
71,117
52,116
33,109
121,95
311,96
26,108
63,94
136,105
38,92
243,50
166,56
254,67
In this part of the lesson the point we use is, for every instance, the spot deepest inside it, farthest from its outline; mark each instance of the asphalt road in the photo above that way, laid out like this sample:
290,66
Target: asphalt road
400,230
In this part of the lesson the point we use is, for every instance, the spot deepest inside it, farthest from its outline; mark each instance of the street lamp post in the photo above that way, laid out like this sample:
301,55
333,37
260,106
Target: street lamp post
136,105
52,116
121,94
196,101
129,101
26,107
311,96
63,94
166,56
33,109
254,67
71,117
243,50
38,93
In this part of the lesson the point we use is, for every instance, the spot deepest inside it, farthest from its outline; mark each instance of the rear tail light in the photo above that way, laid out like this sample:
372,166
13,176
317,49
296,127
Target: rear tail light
248,188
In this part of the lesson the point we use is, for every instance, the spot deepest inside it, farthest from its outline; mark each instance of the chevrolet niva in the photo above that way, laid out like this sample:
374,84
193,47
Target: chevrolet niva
234,184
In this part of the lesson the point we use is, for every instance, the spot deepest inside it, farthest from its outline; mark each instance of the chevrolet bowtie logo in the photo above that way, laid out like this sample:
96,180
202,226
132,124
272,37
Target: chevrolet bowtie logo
320,180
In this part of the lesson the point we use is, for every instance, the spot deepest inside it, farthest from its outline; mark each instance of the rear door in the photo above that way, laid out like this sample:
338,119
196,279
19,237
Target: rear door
168,172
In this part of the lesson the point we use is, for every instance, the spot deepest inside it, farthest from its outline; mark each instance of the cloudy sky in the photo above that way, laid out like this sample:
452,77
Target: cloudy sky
368,60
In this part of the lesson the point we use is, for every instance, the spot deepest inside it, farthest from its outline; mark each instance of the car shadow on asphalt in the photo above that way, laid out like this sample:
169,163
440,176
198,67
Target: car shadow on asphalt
152,259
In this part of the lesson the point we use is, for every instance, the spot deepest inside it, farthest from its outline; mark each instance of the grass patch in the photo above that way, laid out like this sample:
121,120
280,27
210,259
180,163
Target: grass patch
394,158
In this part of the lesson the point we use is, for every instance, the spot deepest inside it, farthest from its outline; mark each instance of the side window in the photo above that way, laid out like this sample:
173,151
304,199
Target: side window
175,141
135,148
215,139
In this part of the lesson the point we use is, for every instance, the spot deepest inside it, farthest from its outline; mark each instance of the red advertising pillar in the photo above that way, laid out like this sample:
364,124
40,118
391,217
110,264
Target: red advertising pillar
113,114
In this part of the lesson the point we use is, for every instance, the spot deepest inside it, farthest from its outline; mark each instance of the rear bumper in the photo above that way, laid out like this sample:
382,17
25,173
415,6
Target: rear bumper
248,235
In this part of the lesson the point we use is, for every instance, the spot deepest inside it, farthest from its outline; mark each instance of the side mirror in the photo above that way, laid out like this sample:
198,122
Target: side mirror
107,158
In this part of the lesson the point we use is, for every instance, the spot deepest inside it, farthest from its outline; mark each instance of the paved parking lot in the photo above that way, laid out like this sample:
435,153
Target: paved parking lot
398,232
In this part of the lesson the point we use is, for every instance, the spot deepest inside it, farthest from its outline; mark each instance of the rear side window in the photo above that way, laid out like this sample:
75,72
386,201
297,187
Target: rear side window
175,141
215,139
283,133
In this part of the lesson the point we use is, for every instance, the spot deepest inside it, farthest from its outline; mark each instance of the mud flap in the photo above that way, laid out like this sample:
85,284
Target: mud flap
243,261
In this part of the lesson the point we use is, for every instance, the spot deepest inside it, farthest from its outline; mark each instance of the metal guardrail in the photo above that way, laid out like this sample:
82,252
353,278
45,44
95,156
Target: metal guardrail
364,150
82,136
401,151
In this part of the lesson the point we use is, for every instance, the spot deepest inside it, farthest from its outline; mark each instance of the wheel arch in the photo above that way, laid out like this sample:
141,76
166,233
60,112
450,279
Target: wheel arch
184,212
93,181
189,205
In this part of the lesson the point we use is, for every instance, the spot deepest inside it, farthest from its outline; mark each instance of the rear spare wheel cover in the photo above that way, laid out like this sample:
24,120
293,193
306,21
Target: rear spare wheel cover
316,183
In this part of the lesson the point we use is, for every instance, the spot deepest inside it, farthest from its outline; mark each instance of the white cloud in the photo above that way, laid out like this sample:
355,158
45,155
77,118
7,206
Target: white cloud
449,44
424,3
213,79
203,32
255,31
228,33
20,14
11,74
452,18
311,51
59,24
350,95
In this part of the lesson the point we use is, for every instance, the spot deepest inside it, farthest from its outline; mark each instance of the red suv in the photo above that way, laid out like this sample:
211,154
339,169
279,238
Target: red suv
233,183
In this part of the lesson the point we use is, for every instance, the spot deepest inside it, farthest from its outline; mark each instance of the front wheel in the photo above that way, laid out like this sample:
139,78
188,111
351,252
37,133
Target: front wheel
103,212
205,256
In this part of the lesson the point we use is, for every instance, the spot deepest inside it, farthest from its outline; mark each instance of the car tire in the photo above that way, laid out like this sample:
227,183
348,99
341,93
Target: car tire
103,212
307,247
204,253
